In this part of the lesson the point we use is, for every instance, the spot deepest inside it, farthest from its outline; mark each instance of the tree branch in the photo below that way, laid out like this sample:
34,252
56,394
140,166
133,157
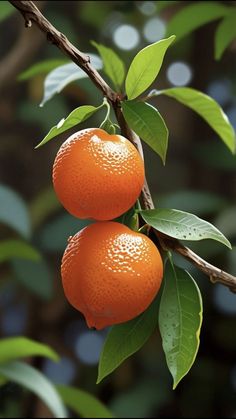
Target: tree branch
31,14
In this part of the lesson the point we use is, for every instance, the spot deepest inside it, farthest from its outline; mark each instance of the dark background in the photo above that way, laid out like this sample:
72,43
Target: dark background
199,177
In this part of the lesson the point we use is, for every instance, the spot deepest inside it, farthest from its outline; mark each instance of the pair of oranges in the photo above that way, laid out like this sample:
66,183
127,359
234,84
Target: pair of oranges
109,272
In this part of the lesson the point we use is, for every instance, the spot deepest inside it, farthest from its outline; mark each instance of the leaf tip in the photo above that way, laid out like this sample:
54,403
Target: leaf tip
172,38
94,43
38,145
99,379
174,385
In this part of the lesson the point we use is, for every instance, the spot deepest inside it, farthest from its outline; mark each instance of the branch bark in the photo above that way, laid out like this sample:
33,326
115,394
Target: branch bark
31,14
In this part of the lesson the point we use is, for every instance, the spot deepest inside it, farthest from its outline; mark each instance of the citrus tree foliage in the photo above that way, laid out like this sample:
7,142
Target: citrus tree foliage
181,298
178,313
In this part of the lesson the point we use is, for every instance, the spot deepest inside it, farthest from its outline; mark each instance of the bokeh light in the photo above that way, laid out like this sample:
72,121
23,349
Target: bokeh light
126,37
154,29
88,347
62,372
179,73
14,319
73,331
220,91
231,113
147,8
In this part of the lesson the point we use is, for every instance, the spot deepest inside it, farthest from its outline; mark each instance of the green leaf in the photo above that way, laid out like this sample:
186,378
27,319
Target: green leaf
44,204
35,276
182,225
194,16
180,320
208,109
61,76
21,347
148,123
145,67
74,118
83,403
113,66
161,5
10,249
6,9
14,212
225,34
125,339
41,67
33,380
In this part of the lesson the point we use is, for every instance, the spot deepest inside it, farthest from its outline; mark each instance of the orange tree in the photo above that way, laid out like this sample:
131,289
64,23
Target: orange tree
179,313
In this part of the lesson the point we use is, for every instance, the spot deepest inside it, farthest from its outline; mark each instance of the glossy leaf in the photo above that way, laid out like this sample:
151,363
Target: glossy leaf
208,109
35,276
33,380
41,67
10,249
225,34
60,77
125,339
21,347
14,212
6,9
148,123
113,66
74,118
83,403
193,16
145,67
182,225
180,320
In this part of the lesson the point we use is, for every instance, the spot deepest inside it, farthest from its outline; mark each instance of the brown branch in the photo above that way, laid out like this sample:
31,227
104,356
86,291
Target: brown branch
31,14
215,274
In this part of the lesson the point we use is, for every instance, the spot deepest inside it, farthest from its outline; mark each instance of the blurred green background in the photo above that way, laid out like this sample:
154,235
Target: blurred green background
199,177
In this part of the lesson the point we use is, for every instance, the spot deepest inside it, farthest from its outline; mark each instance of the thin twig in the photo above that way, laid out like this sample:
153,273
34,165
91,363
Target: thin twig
31,14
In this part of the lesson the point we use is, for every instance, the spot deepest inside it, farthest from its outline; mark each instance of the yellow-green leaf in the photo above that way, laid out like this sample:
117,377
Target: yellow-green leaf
208,109
74,118
145,67
113,66
83,403
21,347
10,249
225,34
194,16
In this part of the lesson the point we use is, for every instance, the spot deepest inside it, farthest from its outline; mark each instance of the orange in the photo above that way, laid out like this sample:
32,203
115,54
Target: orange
110,273
97,175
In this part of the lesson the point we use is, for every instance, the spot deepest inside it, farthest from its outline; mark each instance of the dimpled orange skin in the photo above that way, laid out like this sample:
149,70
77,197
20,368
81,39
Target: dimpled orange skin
110,273
97,175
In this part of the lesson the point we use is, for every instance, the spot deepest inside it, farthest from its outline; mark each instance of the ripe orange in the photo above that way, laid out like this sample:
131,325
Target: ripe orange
110,273
97,175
